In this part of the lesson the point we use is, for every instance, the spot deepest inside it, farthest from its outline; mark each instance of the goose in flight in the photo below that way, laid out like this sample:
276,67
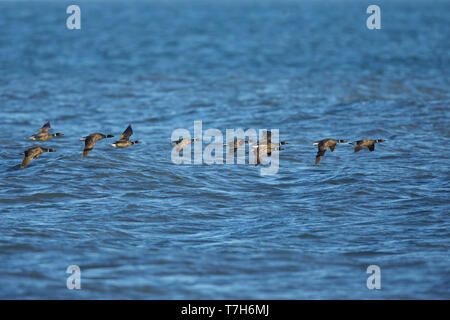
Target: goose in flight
263,150
43,133
91,140
235,144
183,142
366,143
267,140
323,145
124,139
33,153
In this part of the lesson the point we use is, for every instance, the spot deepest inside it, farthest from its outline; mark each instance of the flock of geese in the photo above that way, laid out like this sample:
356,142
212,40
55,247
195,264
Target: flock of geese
89,142
263,148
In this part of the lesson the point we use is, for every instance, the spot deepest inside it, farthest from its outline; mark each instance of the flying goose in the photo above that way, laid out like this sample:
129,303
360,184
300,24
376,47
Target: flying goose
366,143
43,135
124,139
267,140
235,144
91,140
263,150
323,145
183,142
33,153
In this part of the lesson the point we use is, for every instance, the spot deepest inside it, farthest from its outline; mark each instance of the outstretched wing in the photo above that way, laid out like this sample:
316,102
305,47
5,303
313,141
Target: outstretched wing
266,138
29,155
25,162
89,144
261,151
45,128
357,148
126,134
183,143
372,147
319,156
177,142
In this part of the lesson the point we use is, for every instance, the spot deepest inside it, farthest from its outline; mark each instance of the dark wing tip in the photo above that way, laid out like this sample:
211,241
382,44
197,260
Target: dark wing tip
25,162
318,158
86,151
45,128
47,125
127,133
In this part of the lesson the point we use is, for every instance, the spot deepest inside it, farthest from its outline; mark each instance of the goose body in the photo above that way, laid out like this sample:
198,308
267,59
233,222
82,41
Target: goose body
235,144
266,140
183,142
124,139
323,145
43,133
264,149
91,140
366,143
33,153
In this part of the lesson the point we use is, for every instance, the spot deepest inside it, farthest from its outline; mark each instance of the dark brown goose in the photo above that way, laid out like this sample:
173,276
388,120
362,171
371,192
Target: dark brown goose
124,139
33,153
91,140
263,150
267,140
183,142
43,134
366,143
235,144
323,145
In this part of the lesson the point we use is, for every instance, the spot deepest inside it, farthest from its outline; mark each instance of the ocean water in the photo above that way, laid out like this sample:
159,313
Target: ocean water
141,227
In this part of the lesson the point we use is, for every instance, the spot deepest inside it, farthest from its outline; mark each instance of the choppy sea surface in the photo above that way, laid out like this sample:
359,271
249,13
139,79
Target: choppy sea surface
141,227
